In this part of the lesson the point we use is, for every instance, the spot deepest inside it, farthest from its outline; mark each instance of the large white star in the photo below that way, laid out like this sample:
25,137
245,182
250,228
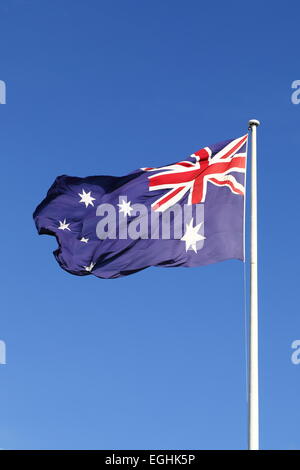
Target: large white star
90,267
125,207
191,236
63,225
86,198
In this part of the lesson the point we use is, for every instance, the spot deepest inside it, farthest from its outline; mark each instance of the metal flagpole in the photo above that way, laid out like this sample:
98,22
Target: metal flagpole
253,403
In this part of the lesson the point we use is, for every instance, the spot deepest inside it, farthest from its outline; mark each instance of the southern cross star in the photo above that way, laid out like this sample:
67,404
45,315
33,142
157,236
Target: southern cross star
86,198
63,225
84,240
90,267
125,207
191,236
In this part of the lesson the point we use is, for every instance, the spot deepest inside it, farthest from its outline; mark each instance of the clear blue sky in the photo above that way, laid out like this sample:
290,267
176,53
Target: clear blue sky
155,360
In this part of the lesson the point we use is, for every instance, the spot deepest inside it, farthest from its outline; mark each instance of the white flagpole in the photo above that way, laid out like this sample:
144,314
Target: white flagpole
253,423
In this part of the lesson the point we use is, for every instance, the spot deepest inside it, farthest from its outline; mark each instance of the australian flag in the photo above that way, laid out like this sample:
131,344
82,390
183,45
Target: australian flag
188,213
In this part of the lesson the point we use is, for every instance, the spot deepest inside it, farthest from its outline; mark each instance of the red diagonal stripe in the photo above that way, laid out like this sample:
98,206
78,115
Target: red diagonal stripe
236,146
168,197
227,183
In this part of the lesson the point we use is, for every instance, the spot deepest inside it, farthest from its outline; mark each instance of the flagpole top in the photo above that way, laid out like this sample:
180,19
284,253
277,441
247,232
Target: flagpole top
253,122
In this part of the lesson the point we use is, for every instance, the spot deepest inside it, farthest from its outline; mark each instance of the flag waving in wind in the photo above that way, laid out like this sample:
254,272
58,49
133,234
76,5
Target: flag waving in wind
189,213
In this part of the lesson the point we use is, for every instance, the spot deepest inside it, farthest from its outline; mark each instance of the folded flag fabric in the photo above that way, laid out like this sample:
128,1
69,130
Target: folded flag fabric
189,213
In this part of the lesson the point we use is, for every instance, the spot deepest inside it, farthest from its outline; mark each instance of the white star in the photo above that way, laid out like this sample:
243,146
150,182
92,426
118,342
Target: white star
191,236
125,207
63,225
84,240
86,198
90,267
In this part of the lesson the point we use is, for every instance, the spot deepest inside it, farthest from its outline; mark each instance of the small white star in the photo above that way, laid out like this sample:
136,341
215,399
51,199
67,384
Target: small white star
90,267
191,236
84,240
86,198
125,207
63,225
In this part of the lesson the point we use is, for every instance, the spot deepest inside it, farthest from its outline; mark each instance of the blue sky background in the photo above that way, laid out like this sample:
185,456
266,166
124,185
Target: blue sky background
155,360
